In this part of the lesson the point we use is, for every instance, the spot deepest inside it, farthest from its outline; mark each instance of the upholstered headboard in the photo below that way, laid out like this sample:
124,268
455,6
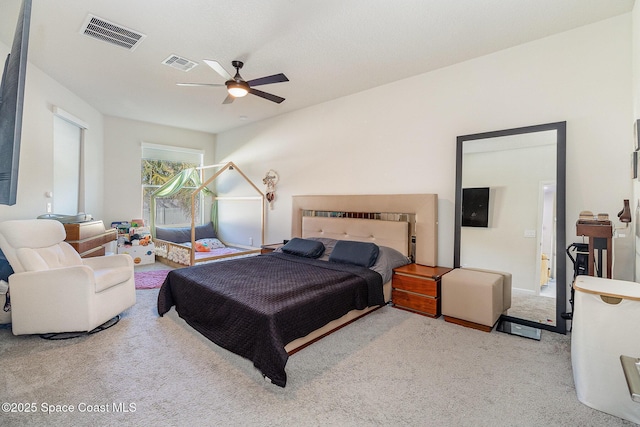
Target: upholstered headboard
423,207
383,233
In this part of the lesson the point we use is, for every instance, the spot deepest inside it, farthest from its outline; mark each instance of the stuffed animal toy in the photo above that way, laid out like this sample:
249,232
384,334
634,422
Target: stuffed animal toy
202,247
135,240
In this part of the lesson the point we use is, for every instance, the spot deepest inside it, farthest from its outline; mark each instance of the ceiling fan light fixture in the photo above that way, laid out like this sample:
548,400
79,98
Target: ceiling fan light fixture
237,89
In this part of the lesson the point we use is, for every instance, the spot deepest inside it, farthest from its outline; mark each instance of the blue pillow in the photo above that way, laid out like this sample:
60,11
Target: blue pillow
359,253
5,268
204,231
183,234
304,248
175,235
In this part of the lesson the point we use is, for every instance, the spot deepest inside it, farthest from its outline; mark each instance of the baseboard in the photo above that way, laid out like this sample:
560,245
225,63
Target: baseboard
468,324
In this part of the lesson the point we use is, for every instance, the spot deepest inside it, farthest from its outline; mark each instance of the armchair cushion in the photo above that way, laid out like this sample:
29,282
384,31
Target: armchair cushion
40,259
18,234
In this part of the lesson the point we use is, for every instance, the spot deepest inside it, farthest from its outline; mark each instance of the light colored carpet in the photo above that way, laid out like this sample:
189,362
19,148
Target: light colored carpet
536,308
389,368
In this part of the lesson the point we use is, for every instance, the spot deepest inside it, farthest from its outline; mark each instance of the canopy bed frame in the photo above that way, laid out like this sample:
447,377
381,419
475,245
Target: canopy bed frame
164,247
405,223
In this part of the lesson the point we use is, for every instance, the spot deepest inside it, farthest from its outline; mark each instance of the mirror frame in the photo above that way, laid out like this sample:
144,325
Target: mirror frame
561,264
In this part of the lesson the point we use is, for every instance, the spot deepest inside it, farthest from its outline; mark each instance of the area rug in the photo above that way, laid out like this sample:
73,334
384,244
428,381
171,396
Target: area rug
150,279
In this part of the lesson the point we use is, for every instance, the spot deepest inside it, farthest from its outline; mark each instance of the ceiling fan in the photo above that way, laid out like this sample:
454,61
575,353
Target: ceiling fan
237,86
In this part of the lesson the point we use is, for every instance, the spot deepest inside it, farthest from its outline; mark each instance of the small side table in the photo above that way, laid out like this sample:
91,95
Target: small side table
416,288
265,249
600,234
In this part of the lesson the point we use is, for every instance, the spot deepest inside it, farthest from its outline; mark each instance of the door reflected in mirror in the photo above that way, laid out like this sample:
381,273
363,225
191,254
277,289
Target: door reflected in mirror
520,227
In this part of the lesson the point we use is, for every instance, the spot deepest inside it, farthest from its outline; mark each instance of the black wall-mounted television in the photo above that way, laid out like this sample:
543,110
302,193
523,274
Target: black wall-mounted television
11,103
475,207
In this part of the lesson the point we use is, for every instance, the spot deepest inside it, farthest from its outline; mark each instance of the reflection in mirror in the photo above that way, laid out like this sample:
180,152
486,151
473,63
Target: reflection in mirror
520,227
520,173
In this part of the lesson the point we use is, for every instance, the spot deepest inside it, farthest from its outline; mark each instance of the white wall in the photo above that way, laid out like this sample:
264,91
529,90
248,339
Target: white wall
35,174
635,200
401,138
123,138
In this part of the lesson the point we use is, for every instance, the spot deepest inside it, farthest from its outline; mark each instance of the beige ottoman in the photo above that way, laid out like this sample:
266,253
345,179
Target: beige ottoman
475,298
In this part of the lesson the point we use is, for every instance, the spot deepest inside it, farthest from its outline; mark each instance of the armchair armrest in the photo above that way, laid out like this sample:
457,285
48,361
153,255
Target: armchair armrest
111,261
61,287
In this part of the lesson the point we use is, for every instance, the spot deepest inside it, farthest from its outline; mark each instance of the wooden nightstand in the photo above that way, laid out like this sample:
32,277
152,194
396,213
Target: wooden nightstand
265,249
416,288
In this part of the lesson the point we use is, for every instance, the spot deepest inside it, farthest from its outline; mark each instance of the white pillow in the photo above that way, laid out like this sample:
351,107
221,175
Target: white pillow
212,243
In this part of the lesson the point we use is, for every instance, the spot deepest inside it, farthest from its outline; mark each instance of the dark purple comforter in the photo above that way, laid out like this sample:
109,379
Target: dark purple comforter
255,306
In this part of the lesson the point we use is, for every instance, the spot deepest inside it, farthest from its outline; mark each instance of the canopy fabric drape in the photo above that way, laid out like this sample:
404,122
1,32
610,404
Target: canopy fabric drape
174,185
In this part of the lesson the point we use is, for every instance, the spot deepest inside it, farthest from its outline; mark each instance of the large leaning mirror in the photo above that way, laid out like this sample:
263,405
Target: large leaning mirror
510,216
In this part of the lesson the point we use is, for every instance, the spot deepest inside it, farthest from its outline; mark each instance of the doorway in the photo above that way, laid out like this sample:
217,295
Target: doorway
546,256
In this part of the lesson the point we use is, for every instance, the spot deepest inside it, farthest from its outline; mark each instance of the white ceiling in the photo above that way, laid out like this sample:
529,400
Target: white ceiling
327,49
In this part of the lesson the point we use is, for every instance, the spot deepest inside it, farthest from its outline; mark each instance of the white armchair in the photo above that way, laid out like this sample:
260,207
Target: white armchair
53,289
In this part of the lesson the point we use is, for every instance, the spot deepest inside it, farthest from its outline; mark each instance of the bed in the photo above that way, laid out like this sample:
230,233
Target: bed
174,248
185,246
267,307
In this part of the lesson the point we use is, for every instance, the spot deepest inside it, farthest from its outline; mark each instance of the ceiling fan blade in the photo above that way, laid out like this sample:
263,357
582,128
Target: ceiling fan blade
228,100
265,95
200,84
218,68
276,78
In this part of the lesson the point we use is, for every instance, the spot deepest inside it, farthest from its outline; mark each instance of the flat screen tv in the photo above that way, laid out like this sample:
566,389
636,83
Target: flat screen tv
475,207
11,103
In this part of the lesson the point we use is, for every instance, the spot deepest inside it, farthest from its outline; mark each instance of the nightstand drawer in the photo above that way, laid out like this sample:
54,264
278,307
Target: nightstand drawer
416,284
415,302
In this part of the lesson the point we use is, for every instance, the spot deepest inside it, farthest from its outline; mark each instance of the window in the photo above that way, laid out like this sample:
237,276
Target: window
158,165
68,163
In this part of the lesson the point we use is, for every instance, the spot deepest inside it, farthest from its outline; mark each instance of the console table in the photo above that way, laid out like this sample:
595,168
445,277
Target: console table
88,238
600,234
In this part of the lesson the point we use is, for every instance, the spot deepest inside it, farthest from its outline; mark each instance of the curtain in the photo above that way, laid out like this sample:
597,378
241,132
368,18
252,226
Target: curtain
174,185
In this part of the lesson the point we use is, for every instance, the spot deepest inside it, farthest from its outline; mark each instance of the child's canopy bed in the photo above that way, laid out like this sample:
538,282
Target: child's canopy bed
186,246
336,268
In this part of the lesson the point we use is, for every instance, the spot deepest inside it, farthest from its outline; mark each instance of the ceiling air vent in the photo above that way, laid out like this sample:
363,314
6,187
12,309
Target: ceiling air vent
179,62
109,32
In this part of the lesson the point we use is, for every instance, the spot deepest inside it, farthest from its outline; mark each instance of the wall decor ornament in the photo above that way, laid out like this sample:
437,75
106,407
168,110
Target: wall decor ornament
270,180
